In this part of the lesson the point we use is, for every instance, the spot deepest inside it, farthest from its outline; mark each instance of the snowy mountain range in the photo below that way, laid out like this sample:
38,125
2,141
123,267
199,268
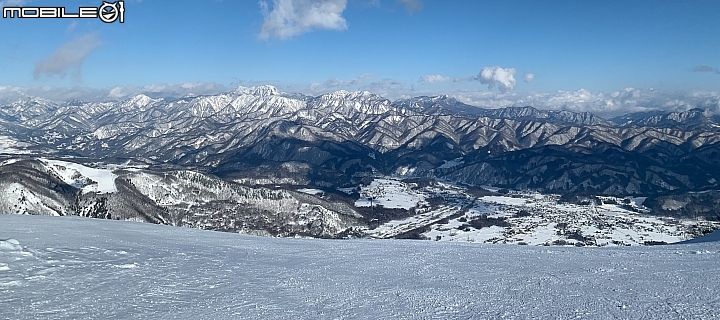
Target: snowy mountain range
260,133
237,161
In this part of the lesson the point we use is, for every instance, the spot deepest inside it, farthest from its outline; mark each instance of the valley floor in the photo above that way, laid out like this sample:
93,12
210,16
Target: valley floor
523,217
68,267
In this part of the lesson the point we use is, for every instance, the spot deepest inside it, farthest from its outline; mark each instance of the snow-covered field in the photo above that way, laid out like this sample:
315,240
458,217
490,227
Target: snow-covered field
389,193
11,145
76,268
550,222
80,176
311,191
522,217
395,227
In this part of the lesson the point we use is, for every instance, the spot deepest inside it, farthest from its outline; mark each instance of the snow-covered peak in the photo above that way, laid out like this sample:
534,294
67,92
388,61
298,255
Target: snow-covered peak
347,102
259,91
686,115
31,103
351,95
138,101
692,117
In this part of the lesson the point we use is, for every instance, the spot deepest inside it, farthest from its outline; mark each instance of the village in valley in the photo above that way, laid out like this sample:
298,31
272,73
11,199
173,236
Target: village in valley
446,212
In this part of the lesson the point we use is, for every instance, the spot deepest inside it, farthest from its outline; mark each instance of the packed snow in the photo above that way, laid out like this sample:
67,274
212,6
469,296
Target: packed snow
69,267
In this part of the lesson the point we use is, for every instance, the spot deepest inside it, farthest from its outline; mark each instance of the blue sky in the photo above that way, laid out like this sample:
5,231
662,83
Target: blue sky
379,45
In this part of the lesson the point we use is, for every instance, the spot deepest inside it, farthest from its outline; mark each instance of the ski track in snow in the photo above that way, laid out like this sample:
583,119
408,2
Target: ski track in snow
79,268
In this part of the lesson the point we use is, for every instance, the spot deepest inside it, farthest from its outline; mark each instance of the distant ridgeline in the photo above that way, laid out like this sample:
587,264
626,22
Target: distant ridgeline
262,137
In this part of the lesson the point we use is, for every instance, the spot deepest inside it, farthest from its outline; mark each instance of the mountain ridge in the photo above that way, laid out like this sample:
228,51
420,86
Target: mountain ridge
339,137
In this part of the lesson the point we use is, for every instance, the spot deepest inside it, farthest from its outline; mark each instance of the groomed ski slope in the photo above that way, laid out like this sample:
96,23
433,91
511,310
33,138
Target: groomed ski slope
62,267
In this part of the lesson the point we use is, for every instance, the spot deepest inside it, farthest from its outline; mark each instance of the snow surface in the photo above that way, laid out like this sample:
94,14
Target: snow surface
607,224
311,191
396,227
504,200
713,237
451,163
545,221
74,174
69,267
348,190
11,145
9,161
389,193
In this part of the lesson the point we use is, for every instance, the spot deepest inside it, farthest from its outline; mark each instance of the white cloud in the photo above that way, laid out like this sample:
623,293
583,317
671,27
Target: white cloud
173,90
464,79
411,5
69,56
180,89
12,3
528,77
704,69
361,82
386,87
117,93
71,27
433,78
371,3
503,78
289,18
315,87
603,104
333,83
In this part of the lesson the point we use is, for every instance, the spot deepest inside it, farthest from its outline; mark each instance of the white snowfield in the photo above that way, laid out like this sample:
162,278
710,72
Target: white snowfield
77,175
79,268
389,193
546,220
